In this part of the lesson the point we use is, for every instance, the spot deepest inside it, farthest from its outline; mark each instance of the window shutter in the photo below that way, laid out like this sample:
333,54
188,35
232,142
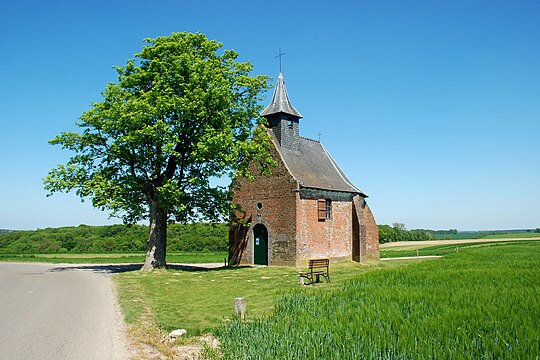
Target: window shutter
321,209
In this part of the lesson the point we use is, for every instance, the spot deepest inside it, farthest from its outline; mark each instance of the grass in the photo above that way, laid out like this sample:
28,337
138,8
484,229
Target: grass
203,301
434,250
426,250
483,302
200,301
108,258
485,235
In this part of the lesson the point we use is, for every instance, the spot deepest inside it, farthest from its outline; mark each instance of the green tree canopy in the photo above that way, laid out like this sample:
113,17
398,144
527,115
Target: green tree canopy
179,115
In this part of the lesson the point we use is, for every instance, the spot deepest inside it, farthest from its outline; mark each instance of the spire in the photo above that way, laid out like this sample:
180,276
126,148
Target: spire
280,101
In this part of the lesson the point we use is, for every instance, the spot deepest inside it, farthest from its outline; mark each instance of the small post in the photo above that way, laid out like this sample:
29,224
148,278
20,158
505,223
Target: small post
301,280
416,252
225,261
240,307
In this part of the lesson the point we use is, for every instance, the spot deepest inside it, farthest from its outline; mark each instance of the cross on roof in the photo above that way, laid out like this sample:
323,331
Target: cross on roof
279,56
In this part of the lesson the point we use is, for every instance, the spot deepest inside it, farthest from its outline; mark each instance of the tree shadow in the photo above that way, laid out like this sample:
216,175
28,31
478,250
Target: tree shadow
121,268
104,268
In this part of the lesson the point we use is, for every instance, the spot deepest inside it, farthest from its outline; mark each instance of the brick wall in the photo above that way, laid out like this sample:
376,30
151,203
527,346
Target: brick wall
330,238
371,234
277,194
365,232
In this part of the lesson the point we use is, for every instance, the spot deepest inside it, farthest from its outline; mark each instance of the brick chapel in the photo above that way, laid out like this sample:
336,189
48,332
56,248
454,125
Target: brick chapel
306,209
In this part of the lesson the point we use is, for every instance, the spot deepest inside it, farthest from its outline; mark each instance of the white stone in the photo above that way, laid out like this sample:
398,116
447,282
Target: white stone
240,307
177,333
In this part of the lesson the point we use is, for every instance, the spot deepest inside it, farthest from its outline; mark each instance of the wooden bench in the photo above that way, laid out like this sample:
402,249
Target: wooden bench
317,267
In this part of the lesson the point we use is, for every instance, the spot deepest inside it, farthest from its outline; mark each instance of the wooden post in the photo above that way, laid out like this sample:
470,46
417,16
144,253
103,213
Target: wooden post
240,307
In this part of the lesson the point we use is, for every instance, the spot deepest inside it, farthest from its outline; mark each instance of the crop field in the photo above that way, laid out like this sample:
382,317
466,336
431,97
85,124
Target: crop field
437,250
524,235
479,303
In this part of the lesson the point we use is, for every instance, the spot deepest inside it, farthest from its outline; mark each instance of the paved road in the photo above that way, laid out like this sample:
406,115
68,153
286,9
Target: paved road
59,312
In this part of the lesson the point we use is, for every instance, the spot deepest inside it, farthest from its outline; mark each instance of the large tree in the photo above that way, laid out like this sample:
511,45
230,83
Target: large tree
182,113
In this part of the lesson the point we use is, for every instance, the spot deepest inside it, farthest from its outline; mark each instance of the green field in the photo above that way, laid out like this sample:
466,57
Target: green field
480,303
108,258
485,235
432,250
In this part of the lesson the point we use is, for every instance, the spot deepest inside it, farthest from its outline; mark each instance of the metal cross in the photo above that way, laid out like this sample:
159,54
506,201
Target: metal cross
320,136
279,56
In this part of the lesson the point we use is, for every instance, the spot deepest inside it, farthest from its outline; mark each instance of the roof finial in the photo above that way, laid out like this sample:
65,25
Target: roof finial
279,56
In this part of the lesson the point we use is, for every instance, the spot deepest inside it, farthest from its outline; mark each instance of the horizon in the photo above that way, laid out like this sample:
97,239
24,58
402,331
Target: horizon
407,229
429,108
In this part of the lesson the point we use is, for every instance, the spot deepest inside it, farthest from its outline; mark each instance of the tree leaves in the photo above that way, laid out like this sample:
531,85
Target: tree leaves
179,114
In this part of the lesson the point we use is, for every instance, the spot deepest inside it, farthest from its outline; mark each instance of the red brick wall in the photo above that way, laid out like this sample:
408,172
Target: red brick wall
365,232
277,194
330,238
371,234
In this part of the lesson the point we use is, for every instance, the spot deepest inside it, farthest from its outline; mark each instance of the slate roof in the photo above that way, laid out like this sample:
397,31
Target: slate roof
313,167
280,101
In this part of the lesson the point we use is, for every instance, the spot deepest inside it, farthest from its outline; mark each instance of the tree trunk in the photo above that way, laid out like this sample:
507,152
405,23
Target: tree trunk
157,241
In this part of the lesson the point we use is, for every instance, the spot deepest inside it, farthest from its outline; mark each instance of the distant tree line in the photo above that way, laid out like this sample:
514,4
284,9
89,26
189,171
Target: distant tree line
114,238
397,232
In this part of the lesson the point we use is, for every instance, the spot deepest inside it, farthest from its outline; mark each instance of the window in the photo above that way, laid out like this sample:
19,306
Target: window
328,208
324,209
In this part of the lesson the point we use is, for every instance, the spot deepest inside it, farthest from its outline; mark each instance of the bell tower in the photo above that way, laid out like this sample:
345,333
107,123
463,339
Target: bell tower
282,117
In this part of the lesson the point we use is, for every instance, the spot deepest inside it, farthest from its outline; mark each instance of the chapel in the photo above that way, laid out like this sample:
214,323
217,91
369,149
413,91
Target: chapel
307,208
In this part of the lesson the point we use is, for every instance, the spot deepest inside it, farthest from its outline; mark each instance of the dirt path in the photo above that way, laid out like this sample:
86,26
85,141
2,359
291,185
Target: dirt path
450,242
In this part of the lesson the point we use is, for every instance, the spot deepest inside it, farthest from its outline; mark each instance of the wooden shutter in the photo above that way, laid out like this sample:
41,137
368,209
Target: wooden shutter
321,209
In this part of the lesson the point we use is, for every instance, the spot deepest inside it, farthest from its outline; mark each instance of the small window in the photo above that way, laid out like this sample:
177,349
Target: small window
328,208
259,206
291,123
324,209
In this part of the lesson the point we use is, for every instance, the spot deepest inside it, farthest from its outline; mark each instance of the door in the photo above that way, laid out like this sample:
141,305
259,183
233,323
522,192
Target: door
260,237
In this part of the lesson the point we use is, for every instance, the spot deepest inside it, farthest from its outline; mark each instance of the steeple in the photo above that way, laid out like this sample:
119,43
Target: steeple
282,117
280,101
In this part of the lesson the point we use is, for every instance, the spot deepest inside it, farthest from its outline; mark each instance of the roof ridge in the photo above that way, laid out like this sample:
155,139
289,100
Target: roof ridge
305,138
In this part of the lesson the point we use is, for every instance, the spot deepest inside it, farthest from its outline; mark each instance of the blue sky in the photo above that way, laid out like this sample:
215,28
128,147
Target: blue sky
431,107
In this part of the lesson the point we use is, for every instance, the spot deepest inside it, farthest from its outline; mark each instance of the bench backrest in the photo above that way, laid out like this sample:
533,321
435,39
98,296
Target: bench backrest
318,263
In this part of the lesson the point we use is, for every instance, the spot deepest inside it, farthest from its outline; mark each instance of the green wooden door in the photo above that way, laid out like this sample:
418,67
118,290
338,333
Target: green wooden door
260,235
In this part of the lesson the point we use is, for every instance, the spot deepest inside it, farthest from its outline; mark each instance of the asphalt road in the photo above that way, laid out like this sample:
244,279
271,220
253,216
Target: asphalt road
59,312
